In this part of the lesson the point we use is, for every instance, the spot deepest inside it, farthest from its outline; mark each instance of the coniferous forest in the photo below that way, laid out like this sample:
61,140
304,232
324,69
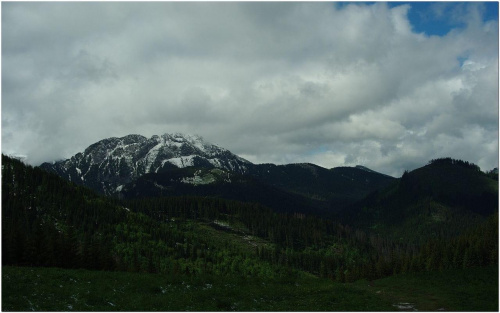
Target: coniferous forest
48,222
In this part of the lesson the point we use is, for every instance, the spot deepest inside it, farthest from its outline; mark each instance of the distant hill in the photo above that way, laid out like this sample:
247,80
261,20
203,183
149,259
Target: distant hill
301,188
441,198
336,187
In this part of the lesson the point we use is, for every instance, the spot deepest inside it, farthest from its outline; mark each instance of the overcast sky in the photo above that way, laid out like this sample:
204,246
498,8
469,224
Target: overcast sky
388,86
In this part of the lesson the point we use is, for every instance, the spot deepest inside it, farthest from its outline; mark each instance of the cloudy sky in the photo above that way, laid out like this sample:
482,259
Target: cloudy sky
388,86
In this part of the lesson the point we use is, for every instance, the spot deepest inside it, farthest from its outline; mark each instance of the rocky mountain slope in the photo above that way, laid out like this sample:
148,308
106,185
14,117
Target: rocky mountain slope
109,164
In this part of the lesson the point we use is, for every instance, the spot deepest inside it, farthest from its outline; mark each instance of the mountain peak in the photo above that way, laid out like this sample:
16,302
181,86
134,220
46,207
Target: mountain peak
112,162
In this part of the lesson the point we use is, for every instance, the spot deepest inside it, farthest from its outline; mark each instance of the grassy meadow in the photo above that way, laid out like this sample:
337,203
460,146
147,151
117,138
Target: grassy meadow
53,289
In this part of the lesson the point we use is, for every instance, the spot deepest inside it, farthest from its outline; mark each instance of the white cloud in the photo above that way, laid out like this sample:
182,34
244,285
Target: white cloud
273,82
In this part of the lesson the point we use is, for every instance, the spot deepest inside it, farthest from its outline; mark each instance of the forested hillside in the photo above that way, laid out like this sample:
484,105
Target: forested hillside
50,222
220,184
441,200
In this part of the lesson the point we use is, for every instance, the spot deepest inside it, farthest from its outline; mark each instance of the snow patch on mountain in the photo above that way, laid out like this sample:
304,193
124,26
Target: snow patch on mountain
182,161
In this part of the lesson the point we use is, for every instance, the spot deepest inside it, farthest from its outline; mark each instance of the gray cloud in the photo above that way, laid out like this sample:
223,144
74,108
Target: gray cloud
272,82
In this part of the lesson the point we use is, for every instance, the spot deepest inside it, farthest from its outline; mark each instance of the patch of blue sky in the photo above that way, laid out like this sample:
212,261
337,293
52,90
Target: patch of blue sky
491,11
439,18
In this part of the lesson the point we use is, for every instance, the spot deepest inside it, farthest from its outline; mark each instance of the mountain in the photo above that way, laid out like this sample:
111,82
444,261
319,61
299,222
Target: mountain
135,166
106,166
439,199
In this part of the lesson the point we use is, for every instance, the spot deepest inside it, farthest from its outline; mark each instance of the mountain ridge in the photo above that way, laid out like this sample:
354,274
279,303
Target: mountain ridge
115,166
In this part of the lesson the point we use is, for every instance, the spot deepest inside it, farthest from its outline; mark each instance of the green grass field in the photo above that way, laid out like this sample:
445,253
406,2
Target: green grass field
473,289
52,289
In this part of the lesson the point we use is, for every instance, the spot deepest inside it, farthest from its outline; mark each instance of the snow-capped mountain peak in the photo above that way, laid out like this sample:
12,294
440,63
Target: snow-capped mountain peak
110,163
